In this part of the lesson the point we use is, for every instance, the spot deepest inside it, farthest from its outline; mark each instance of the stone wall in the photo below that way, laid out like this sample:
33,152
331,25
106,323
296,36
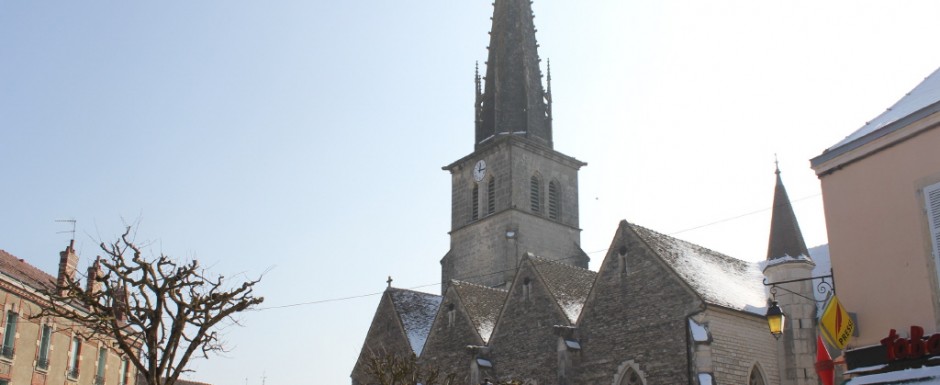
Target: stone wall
385,337
739,343
446,348
637,312
524,344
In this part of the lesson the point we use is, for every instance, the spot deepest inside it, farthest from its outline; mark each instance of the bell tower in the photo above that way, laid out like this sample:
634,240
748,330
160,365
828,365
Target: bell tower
514,194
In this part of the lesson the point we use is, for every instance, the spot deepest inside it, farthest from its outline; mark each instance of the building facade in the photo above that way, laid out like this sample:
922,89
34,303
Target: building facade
518,302
46,351
881,191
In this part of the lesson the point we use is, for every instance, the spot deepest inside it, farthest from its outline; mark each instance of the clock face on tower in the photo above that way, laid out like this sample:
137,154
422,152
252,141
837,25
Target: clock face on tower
479,170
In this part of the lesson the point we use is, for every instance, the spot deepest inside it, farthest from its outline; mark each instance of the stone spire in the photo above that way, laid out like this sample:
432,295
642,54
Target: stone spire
514,102
785,236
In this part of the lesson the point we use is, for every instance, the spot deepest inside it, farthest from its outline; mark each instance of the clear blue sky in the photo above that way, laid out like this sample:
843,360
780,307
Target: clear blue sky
306,137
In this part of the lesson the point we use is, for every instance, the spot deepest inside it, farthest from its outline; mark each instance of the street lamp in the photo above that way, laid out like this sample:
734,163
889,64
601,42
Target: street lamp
776,320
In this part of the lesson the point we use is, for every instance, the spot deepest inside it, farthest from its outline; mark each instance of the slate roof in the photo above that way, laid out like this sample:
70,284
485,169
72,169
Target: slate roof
786,240
416,311
20,270
482,305
922,101
719,279
569,285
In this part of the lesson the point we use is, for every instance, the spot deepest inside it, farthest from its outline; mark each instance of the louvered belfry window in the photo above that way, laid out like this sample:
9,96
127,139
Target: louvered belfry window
553,200
932,198
491,196
475,203
535,196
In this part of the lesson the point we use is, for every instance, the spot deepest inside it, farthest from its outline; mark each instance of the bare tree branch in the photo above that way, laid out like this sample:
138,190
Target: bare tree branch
157,312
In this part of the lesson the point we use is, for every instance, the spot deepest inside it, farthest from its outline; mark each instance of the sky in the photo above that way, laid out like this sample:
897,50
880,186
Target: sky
304,140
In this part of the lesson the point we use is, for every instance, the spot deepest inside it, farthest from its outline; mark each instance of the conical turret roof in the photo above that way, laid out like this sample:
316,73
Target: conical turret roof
786,240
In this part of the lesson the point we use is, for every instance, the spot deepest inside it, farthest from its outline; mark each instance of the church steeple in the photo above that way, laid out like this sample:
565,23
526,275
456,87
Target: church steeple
514,102
785,236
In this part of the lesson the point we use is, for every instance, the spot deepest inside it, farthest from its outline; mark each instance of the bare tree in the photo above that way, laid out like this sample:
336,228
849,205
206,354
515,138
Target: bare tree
392,369
158,312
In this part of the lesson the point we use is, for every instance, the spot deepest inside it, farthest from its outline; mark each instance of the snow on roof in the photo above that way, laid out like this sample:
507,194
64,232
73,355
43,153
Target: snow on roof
569,284
925,94
482,305
717,278
417,311
925,375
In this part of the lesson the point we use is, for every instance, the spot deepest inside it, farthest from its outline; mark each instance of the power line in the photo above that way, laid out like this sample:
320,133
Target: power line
728,219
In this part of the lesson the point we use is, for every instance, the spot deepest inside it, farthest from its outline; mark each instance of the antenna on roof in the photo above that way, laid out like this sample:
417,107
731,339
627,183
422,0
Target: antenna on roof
72,221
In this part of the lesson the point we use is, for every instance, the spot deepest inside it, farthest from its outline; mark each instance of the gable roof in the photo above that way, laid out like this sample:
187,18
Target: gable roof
570,285
20,270
719,279
922,101
416,310
482,305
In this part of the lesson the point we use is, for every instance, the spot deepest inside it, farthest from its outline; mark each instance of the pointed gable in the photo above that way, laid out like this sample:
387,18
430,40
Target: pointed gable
786,240
482,305
386,336
719,279
569,285
416,310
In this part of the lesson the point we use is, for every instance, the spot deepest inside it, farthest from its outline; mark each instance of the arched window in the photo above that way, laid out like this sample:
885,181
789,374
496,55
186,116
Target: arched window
475,203
631,377
553,208
628,373
535,194
756,378
491,196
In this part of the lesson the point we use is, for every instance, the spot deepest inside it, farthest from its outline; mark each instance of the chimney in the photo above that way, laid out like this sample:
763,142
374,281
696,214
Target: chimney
94,271
68,262
119,304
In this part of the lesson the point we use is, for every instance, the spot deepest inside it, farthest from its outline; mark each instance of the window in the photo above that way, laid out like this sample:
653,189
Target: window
122,376
42,362
631,377
755,378
526,288
475,199
932,202
9,335
535,195
491,196
450,315
102,361
553,200
74,351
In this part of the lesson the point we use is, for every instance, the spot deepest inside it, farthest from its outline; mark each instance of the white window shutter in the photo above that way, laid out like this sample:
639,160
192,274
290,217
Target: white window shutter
932,197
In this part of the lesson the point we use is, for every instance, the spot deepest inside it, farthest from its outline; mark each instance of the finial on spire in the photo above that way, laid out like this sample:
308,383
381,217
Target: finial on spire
389,281
776,165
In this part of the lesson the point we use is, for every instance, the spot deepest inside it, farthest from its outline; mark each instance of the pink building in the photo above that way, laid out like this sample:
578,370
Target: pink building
881,190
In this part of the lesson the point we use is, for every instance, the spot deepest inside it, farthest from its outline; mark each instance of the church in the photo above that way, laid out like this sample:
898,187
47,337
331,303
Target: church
518,301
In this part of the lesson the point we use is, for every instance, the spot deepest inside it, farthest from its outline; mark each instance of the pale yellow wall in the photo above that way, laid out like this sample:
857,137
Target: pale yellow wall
22,368
878,236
